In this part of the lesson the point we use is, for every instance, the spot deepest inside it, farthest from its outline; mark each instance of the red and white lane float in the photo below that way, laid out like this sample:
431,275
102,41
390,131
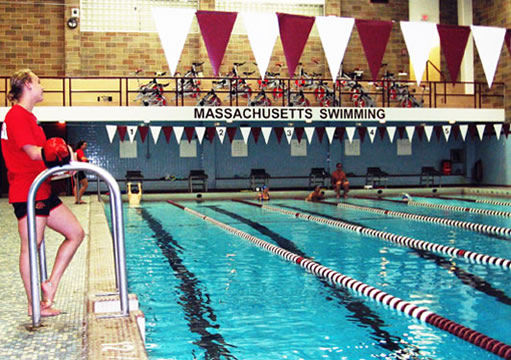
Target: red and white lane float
460,208
418,312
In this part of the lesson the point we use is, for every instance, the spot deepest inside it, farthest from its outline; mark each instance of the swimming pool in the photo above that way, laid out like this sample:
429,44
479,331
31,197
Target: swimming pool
208,294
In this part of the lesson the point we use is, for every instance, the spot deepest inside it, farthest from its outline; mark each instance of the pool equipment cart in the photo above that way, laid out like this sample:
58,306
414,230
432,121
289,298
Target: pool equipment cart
117,230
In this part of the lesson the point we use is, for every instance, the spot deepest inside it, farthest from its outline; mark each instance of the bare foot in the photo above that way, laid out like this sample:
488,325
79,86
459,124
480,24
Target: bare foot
46,311
48,293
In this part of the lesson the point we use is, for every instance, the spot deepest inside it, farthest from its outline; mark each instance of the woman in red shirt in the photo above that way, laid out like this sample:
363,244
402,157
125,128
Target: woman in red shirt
22,141
82,179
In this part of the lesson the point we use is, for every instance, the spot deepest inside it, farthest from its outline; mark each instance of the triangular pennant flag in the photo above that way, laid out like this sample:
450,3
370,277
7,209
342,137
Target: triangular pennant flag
506,129
132,132
122,130
362,133
221,133
173,26
463,131
330,131
488,129
350,130
216,28
299,133
309,132
200,131
419,38
178,133
167,131
498,129
155,132
489,42
321,132
420,131
507,40
401,131
262,37
111,129
143,130
374,36
210,131
472,130
231,132
428,130
480,130
391,130
455,131
409,131
446,129
294,32
334,33
453,41
339,132
382,130
255,133
279,131
372,133
438,132
289,133
266,133
189,131
245,132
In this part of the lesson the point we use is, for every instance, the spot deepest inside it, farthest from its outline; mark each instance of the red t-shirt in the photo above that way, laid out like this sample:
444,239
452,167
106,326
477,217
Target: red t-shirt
19,129
79,155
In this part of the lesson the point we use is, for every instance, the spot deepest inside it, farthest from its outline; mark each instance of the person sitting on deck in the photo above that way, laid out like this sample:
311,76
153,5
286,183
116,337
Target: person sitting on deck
316,195
339,180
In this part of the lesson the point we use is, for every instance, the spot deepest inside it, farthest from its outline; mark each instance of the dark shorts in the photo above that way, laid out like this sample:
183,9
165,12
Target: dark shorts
42,207
81,175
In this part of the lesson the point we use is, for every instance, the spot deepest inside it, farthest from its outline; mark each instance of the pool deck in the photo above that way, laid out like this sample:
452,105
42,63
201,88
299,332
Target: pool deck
88,328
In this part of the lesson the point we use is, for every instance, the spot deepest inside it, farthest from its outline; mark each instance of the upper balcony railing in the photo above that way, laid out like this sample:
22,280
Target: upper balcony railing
188,91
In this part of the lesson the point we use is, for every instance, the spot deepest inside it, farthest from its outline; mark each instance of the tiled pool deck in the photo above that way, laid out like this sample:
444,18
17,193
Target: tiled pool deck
80,333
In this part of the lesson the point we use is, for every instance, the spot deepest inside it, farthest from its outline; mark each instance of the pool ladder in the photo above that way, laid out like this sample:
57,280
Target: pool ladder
117,234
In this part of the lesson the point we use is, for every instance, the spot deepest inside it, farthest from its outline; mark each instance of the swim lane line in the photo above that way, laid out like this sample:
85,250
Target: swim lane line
460,208
480,201
421,313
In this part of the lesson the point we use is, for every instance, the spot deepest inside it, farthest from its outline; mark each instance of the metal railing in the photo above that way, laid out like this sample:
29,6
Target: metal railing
117,231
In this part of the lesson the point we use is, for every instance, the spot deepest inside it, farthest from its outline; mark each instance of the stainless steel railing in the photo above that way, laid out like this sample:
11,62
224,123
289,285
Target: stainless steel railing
117,231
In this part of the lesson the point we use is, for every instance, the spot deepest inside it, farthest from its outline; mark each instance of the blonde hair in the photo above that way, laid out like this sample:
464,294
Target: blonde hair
18,79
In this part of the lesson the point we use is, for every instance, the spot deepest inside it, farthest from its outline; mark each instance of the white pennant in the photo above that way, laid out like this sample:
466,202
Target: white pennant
391,130
221,130
173,26
245,132
428,129
419,38
178,132
498,128
334,33
489,42
132,131
289,133
200,131
262,30
447,131
266,133
480,130
330,131
350,131
111,129
309,132
463,131
410,130
371,130
155,132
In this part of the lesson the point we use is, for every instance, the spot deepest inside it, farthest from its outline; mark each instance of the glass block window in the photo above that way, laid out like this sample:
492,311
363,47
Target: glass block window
125,15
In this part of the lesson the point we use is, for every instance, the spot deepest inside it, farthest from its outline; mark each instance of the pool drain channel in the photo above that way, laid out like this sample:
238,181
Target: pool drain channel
421,313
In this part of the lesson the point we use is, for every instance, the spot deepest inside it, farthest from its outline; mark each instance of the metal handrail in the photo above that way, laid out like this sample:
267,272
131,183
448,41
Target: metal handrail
118,225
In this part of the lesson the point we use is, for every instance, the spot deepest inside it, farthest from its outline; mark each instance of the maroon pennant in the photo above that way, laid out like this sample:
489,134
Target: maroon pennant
420,131
216,28
294,32
472,130
507,40
210,131
374,36
299,133
382,131
167,131
320,131
189,131
122,130
143,130
505,127
231,131
255,133
455,131
339,132
489,129
279,131
401,131
438,131
362,133
453,41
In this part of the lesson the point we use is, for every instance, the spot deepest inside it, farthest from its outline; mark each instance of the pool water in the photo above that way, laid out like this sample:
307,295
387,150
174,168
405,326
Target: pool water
208,294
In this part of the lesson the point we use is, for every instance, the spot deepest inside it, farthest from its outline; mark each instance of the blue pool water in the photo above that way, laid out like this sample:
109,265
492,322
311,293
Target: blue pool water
207,294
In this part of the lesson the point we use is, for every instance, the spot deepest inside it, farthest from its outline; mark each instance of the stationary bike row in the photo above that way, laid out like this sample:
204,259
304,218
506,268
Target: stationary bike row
151,93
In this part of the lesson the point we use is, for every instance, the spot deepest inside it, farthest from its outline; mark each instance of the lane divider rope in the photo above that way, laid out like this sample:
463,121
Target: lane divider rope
481,201
460,208
418,312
